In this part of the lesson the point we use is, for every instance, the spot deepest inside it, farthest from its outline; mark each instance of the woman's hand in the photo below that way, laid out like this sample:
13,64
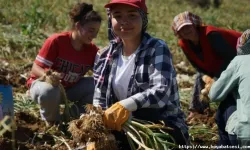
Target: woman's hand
51,77
115,116
207,79
204,92
208,83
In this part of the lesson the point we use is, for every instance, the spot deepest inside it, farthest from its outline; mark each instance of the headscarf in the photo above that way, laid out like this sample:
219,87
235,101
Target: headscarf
114,40
185,18
243,44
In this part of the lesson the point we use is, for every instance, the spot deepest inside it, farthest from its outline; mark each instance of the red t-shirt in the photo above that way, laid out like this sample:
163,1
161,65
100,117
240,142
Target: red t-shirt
58,54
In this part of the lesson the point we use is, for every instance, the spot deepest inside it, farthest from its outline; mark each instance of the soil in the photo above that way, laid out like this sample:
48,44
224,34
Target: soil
29,127
32,133
15,77
206,119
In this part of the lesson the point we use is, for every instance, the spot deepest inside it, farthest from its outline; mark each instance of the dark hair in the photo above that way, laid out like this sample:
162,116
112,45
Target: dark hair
83,13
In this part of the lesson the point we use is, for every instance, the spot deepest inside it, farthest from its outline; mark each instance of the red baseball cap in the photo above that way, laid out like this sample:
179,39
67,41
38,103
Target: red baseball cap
135,3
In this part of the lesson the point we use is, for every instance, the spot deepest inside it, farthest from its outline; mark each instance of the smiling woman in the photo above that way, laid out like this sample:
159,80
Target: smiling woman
127,23
84,34
189,32
85,25
71,54
135,75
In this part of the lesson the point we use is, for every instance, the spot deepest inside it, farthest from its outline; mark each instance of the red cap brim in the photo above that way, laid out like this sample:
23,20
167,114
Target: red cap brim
126,3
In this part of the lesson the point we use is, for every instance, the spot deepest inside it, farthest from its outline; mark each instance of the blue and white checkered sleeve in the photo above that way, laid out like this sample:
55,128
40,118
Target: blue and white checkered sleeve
160,91
99,98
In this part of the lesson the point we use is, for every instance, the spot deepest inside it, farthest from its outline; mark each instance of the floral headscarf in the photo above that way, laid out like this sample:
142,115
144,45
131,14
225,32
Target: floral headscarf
243,44
185,18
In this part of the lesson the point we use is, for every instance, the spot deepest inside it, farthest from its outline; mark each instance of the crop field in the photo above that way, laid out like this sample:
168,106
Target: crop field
25,24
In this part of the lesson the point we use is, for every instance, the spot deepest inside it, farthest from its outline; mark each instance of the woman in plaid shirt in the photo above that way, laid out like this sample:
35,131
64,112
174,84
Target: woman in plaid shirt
135,75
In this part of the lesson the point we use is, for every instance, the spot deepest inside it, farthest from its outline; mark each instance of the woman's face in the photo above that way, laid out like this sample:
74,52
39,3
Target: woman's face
89,31
188,32
126,21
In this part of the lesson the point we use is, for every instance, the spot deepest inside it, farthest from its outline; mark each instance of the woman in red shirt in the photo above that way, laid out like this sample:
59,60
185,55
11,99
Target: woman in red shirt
71,54
209,49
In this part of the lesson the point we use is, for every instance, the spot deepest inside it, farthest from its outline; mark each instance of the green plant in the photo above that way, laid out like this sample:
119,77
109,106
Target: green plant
36,18
147,135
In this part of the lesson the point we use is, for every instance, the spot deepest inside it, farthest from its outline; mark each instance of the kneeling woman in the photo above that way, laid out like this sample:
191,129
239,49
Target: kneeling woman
71,54
135,75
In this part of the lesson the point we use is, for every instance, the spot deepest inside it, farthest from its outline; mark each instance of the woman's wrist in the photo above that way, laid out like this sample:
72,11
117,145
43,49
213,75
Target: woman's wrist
129,104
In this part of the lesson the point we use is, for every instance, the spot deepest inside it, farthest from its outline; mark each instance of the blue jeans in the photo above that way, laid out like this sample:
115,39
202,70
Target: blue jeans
226,108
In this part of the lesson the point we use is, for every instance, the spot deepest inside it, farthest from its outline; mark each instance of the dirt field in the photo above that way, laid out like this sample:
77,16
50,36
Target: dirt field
31,132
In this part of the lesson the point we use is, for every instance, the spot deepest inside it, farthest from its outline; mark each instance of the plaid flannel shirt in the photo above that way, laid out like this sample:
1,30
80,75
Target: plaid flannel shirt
153,82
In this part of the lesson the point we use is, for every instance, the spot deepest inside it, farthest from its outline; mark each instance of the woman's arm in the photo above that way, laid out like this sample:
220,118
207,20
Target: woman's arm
37,70
225,84
99,80
46,57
